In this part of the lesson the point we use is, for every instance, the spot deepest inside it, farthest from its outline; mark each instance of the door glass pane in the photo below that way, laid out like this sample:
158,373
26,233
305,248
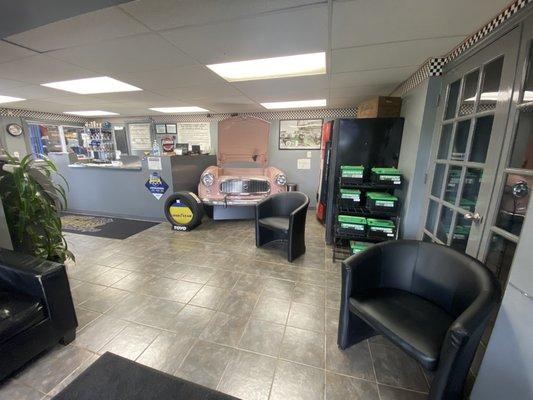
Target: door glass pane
452,184
460,141
471,187
445,222
528,85
438,179
461,232
480,142
469,93
427,239
444,144
432,216
522,154
451,104
500,257
513,205
491,85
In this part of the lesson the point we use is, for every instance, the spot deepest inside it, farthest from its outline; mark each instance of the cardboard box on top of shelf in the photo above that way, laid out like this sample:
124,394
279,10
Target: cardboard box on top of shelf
380,107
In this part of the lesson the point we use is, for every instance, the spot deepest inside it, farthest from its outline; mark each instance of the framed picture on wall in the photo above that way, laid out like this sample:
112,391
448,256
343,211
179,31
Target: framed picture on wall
300,134
160,129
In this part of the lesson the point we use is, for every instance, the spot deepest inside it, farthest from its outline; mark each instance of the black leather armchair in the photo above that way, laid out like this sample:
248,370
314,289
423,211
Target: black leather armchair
282,216
430,300
36,309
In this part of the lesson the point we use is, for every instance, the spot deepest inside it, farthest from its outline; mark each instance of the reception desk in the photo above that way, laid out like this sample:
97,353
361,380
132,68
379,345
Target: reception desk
119,190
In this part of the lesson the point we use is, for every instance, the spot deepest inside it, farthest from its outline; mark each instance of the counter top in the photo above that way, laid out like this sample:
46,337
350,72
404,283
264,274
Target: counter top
130,167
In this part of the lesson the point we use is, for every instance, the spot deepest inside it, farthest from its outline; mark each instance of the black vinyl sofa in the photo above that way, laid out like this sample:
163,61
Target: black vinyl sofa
36,309
430,300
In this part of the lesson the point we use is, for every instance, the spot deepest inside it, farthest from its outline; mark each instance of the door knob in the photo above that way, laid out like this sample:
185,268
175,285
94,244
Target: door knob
476,217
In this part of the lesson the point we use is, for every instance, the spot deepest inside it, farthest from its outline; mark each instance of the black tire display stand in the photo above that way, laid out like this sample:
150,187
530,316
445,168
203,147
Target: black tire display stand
184,210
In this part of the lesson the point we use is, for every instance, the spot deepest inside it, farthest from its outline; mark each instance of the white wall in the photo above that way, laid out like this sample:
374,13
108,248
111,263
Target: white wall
418,108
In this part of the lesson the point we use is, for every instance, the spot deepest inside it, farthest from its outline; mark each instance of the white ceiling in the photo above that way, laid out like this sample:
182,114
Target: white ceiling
162,46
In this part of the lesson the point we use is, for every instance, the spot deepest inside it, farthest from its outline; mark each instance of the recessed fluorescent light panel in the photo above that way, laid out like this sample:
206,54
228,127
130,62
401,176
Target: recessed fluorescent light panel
90,113
295,104
9,99
99,84
270,68
179,110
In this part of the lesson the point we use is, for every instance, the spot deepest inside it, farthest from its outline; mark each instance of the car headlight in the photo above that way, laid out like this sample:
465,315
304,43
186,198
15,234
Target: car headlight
281,179
208,179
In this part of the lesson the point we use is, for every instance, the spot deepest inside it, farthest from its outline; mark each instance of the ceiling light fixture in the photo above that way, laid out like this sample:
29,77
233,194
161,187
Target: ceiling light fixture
99,84
295,104
9,99
270,68
179,110
90,113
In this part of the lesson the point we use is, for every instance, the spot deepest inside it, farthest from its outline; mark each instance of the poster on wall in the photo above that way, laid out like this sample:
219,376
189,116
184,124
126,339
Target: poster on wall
301,134
140,138
156,185
195,133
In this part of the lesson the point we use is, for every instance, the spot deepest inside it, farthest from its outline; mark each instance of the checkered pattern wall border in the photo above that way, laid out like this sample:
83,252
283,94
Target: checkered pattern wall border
41,116
435,66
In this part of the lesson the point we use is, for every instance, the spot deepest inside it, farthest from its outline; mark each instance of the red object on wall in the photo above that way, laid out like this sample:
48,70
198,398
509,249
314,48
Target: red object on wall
324,160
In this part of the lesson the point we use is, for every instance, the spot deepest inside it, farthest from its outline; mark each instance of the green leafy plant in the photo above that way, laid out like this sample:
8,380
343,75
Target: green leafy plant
32,201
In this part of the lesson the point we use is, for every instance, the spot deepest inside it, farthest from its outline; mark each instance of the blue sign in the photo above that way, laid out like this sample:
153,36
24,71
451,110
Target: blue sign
156,185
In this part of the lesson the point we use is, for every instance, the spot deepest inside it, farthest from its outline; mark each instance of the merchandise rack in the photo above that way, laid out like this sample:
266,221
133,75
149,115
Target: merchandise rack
341,240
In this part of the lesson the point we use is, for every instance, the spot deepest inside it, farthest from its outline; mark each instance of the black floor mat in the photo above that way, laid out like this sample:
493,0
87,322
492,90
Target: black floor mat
115,378
114,228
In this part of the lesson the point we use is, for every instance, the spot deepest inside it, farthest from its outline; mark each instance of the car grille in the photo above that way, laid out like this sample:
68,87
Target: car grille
244,186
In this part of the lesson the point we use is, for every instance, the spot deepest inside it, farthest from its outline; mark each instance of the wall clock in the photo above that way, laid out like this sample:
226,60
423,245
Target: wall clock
14,129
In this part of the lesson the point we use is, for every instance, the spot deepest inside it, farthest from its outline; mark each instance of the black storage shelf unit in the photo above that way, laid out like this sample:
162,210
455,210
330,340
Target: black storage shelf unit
342,237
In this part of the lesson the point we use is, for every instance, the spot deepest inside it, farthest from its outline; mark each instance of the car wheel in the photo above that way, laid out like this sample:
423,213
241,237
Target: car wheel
184,210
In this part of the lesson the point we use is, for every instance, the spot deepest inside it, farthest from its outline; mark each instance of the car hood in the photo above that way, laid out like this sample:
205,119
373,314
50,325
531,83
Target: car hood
243,139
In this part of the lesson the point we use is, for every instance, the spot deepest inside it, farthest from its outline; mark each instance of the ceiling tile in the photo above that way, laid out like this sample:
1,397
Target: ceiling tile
285,33
31,92
212,91
132,98
284,89
130,54
364,90
374,77
367,22
387,55
8,84
71,99
41,69
109,23
170,78
39,105
11,52
166,14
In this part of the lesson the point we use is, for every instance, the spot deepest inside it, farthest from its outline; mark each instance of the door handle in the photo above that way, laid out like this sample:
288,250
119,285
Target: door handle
475,217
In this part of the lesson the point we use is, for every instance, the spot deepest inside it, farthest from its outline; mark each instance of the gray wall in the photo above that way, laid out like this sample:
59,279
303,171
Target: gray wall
5,238
419,107
507,368
11,143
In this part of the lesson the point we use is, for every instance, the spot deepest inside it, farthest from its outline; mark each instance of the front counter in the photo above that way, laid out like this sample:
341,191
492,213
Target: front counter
119,190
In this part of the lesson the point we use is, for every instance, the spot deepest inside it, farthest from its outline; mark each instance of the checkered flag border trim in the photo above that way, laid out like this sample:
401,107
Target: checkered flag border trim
435,66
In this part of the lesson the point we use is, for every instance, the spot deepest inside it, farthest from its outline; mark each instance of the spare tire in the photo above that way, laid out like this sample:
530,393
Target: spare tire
184,210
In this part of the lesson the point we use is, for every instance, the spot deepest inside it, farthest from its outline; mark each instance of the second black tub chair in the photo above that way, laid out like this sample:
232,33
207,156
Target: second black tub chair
430,300
282,216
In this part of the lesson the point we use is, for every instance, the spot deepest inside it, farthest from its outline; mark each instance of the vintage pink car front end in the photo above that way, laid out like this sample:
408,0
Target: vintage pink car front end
242,177
239,186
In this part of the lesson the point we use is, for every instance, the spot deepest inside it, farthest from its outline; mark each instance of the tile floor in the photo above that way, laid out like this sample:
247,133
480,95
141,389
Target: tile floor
210,307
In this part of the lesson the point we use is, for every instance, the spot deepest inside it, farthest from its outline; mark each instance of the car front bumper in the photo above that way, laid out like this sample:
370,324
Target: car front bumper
232,202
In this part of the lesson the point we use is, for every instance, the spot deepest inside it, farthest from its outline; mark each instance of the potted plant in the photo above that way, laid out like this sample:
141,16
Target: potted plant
32,202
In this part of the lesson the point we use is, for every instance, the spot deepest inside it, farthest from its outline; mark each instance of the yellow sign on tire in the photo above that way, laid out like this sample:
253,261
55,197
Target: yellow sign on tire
184,210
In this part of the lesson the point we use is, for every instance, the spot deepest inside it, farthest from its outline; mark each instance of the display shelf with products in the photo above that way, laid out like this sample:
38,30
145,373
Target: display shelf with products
101,144
367,210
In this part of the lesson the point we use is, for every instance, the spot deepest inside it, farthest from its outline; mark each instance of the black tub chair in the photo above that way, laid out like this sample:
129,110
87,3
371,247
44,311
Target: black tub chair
282,216
36,309
430,300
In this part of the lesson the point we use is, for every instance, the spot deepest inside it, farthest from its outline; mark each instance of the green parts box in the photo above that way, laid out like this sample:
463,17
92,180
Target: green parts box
357,247
378,201
381,228
349,198
352,174
386,176
352,225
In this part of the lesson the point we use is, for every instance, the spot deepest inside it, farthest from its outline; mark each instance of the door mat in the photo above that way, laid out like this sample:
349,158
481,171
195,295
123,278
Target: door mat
113,228
112,377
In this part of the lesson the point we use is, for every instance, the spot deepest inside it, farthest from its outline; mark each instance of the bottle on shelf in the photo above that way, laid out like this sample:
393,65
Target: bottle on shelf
156,149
